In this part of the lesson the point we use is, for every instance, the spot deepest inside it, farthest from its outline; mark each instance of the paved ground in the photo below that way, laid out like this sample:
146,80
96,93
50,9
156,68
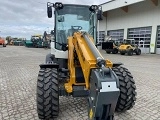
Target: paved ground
18,74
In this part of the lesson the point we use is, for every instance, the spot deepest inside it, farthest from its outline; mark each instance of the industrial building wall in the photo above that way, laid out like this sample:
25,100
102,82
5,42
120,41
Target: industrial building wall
143,14
103,24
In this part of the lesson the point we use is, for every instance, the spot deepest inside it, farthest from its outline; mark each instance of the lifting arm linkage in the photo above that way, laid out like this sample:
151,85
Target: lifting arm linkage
88,55
101,81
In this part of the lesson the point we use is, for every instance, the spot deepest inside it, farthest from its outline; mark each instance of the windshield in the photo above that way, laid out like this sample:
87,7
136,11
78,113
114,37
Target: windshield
70,19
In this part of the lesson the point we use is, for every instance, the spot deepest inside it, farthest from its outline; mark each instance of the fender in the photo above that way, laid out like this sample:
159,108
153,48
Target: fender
49,65
117,64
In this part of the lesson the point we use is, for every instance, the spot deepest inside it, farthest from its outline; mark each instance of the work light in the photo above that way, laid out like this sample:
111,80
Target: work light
58,5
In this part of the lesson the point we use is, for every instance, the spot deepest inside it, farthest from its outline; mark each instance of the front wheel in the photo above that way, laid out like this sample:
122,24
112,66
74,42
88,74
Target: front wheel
128,93
108,52
47,94
122,53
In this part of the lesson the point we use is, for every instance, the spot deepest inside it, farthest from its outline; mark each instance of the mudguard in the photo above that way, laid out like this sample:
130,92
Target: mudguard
49,65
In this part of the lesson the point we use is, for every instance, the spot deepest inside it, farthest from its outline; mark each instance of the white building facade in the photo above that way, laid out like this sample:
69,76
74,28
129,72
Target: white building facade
133,19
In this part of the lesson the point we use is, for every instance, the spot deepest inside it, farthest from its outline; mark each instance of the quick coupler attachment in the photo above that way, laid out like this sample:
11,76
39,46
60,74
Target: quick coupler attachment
103,94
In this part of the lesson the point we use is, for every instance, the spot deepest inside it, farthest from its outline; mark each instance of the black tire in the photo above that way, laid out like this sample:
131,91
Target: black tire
128,93
47,94
130,52
108,52
115,51
122,53
4,45
138,51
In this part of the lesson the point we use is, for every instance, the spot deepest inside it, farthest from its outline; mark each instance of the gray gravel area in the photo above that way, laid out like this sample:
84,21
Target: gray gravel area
19,67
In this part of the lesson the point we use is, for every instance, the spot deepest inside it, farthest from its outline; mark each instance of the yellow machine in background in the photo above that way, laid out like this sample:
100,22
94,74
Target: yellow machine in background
128,46
76,68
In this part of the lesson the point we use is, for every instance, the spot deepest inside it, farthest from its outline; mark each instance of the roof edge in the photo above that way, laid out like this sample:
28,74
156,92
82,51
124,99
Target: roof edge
107,2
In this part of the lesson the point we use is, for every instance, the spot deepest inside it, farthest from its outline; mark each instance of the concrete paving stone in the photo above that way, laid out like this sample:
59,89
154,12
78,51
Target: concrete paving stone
19,67
11,118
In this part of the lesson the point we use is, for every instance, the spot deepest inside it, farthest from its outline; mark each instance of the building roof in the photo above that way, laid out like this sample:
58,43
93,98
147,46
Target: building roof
114,4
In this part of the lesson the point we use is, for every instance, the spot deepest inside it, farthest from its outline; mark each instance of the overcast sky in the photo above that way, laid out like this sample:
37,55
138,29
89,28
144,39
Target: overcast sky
22,18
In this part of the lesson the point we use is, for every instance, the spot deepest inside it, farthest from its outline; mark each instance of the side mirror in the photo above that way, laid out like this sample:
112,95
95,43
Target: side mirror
49,11
99,15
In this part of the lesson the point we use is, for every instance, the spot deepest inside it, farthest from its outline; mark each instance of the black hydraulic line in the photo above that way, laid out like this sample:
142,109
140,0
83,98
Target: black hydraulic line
100,60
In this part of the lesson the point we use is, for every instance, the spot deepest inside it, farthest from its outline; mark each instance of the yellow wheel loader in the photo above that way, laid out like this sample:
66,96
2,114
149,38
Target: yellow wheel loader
76,68
129,47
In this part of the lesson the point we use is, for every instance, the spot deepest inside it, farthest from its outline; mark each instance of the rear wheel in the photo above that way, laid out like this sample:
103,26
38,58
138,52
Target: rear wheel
128,93
138,51
47,94
130,52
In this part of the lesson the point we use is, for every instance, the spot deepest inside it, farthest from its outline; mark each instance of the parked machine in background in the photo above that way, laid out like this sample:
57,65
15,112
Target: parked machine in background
28,43
18,42
129,47
110,45
37,41
3,42
47,39
76,68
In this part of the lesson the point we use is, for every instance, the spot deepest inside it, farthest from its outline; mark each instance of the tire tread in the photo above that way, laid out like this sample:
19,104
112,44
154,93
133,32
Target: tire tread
47,94
127,96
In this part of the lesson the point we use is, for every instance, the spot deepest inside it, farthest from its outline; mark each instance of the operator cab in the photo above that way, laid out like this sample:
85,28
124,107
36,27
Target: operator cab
129,41
70,18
